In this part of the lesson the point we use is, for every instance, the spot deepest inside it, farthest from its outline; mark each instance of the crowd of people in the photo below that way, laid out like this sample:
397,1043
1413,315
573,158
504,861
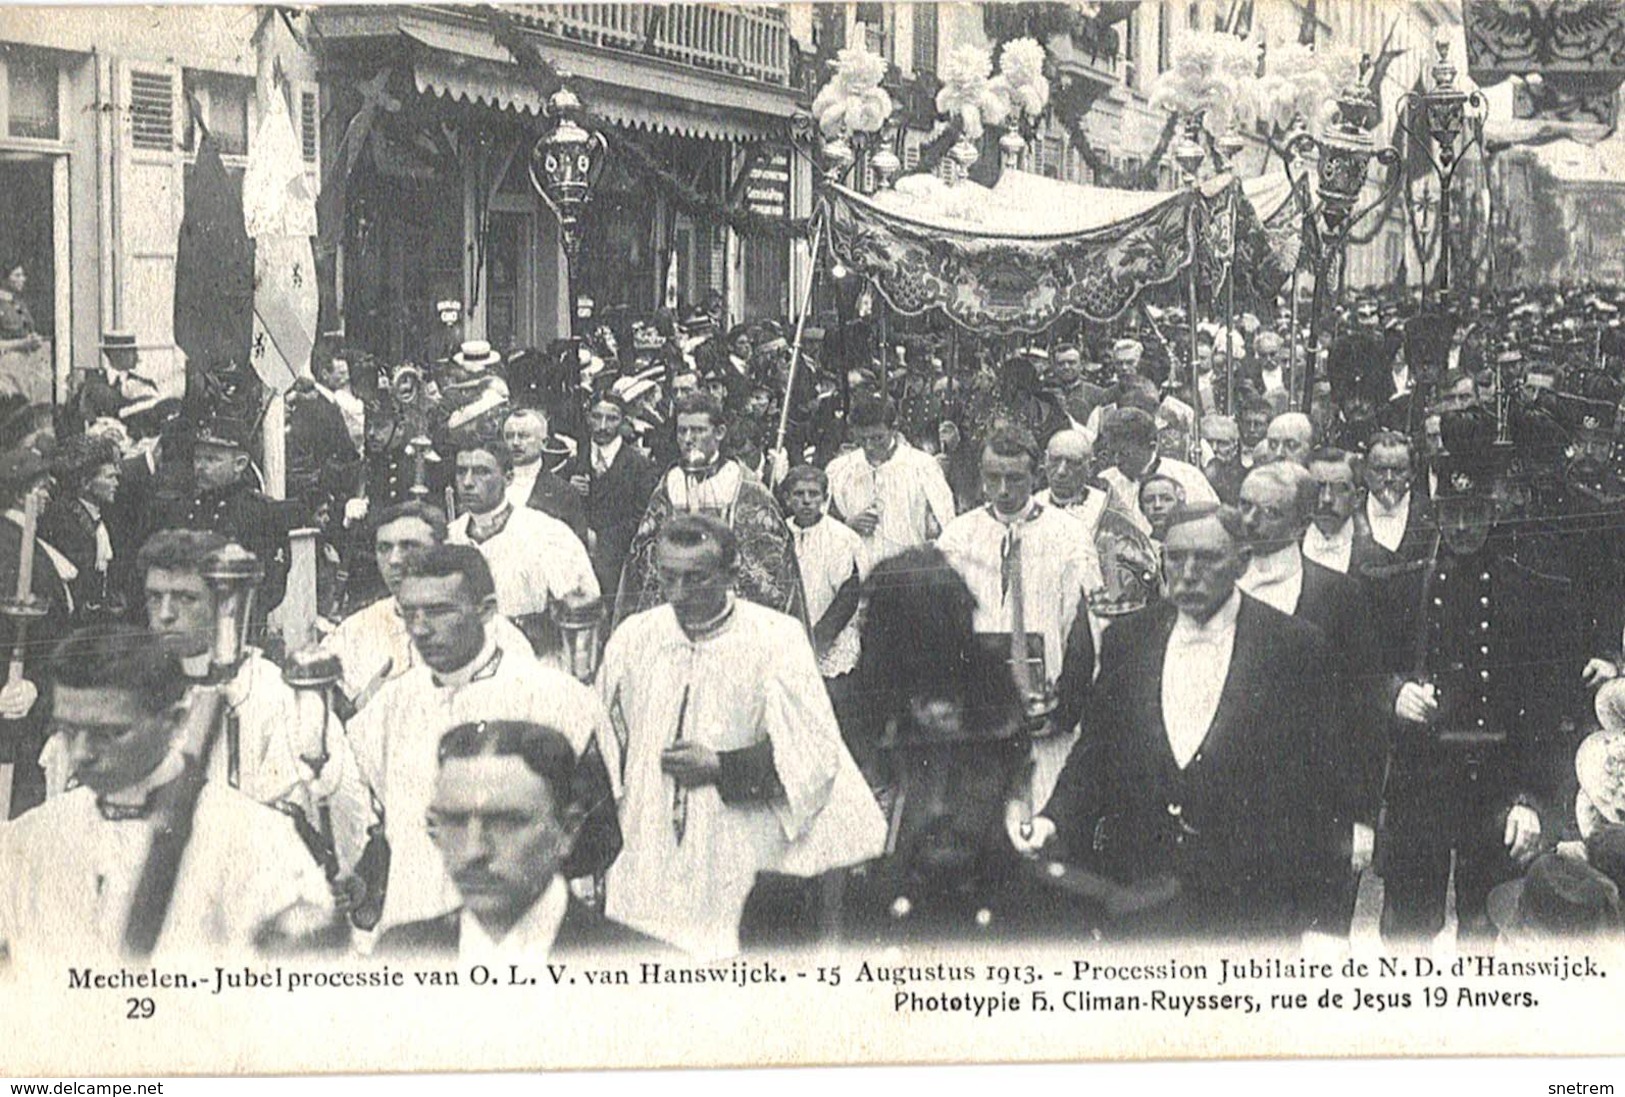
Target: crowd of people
733,640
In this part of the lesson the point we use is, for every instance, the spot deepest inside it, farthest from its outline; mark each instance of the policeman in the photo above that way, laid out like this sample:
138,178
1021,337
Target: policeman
1478,749
224,499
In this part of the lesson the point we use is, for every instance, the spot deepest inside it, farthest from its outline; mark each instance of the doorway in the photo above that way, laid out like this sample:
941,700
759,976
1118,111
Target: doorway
34,235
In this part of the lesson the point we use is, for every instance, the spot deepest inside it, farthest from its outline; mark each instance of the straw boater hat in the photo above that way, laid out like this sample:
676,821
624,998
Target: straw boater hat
1600,762
118,340
476,355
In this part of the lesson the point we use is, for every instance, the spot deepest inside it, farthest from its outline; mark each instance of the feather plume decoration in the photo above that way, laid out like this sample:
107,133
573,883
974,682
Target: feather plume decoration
967,93
1213,73
853,100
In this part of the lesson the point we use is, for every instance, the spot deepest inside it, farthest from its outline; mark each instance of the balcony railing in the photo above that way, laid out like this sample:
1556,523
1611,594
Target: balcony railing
752,42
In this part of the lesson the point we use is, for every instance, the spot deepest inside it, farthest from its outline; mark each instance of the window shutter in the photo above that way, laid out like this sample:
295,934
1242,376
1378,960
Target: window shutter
307,125
152,111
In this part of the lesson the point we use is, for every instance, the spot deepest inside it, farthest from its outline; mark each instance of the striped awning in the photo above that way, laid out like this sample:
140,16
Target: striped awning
465,64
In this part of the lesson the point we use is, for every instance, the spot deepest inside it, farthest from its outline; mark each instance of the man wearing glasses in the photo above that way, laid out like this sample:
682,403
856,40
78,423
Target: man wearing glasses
1398,516
505,814
72,870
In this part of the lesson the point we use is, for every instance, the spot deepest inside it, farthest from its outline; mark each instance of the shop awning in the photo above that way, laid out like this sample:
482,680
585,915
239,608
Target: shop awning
466,64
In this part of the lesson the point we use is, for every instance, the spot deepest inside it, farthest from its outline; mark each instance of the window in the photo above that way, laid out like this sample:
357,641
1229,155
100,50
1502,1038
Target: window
1164,38
31,89
152,111
223,101
925,38
874,17
1131,49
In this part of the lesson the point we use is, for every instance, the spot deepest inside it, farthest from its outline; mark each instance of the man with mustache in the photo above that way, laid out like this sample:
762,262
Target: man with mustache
1198,760
1277,502
505,813
706,483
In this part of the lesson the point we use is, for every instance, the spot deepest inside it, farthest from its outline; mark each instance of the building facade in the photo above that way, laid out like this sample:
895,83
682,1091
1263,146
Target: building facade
99,112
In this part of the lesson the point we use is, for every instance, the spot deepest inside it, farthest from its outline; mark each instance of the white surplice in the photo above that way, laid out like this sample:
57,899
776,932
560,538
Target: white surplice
752,679
915,500
68,877
1059,567
829,553
397,739
534,560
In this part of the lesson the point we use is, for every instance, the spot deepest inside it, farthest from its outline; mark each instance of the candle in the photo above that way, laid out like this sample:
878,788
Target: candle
25,565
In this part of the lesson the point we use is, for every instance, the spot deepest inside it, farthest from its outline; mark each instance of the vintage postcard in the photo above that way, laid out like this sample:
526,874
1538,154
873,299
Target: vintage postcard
569,536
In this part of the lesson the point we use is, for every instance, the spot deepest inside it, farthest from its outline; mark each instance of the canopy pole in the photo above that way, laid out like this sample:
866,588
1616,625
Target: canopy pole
801,325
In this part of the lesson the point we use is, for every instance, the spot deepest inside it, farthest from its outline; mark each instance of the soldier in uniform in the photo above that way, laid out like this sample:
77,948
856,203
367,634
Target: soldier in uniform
946,733
1478,751
225,500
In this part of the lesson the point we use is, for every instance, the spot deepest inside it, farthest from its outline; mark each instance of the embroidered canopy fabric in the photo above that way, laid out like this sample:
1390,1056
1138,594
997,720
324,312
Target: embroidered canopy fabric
1017,256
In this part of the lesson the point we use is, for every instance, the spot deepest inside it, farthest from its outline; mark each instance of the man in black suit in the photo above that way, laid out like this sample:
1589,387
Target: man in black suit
616,479
527,434
118,388
1396,506
505,814
1198,760
1278,502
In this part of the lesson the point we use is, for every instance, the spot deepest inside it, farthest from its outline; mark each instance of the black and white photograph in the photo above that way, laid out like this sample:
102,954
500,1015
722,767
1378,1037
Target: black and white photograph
544,536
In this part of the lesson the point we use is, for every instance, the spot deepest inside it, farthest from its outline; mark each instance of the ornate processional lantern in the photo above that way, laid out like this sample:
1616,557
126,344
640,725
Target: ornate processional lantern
563,167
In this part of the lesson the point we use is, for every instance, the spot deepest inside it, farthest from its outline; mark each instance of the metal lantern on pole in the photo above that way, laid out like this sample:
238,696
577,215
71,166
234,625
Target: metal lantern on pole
1345,152
563,167
1443,108
1189,154
233,575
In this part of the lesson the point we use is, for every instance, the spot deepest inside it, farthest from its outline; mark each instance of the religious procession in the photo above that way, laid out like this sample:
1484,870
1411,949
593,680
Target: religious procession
695,480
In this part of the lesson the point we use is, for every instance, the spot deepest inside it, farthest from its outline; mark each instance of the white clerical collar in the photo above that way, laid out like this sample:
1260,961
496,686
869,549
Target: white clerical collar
1342,535
1223,622
531,936
1279,566
482,665
1027,514
137,794
709,628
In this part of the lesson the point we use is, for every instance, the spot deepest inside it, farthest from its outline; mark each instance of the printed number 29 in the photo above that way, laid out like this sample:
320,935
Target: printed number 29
140,1009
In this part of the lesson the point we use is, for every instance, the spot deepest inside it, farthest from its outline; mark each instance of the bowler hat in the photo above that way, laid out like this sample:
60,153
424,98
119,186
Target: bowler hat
1558,897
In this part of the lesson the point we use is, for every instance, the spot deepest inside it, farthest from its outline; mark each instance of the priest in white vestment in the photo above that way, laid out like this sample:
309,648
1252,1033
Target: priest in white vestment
731,760
893,495
1058,568
467,674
